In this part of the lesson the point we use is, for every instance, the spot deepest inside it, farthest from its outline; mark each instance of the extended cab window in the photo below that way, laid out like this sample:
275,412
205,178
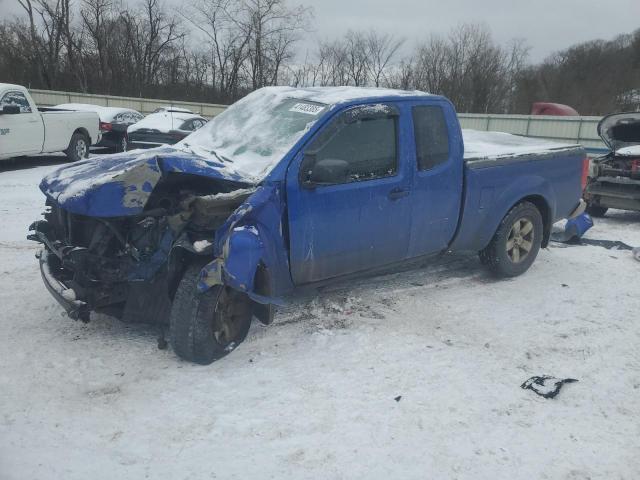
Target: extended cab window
364,140
18,99
432,136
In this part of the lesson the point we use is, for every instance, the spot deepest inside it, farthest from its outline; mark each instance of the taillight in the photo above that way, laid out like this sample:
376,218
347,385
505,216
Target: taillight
635,166
585,172
105,126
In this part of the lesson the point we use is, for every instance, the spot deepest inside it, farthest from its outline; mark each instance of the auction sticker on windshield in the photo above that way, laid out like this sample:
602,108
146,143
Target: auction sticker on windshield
308,108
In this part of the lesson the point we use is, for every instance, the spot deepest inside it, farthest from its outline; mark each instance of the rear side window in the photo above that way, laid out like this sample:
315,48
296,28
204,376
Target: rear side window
18,99
188,125
128,118
432,136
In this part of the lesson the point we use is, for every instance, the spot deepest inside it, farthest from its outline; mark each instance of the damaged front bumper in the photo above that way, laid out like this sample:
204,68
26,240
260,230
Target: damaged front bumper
82,281
614,192
64,295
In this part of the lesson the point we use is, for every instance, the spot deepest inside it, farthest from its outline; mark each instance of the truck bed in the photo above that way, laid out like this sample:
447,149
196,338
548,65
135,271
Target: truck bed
499,166
497,148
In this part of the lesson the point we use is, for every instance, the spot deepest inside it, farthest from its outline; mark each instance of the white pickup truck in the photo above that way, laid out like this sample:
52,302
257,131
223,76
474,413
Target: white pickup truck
27,130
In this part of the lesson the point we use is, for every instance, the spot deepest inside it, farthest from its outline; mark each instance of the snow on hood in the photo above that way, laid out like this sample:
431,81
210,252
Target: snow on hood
163,121
256,132
620,130
106,114
120,185
632,151
489,145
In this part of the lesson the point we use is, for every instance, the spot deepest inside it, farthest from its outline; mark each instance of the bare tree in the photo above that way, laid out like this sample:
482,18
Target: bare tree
380,50
150,35
271,27
470,69
45,36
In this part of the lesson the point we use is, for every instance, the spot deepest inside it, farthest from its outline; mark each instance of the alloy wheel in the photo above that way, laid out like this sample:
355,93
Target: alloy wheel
520,240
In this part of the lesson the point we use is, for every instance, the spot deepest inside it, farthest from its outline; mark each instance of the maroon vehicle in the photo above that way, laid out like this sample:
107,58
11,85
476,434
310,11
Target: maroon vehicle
557,109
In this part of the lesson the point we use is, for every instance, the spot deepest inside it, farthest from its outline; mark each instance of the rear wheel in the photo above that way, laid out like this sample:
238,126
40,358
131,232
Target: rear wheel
78,148
207,326
596,210
516,243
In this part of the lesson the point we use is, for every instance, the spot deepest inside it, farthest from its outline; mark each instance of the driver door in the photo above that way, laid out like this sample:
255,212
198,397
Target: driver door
22,133
360,220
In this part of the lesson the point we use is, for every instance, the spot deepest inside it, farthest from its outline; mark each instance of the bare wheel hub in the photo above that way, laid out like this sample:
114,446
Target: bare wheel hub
520,240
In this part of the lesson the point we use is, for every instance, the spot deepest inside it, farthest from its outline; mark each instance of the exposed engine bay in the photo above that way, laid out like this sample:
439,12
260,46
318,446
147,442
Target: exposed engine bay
127,266
614,179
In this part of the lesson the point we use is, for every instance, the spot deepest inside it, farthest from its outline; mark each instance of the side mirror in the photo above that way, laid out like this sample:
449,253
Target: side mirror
329,171
10,110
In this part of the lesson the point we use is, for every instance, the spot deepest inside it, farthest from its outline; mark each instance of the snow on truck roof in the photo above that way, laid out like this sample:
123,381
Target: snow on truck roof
10,85
334,95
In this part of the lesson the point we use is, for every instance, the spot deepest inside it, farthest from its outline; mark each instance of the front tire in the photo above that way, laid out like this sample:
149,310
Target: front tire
205,327
78,148
516,243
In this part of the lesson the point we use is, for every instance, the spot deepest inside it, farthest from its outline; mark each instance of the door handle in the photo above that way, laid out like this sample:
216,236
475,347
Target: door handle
397,193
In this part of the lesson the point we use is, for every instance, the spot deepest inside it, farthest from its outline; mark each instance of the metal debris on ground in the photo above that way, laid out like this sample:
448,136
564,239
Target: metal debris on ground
545,385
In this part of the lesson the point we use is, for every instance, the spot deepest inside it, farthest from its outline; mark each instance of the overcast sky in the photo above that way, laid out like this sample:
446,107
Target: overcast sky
546,25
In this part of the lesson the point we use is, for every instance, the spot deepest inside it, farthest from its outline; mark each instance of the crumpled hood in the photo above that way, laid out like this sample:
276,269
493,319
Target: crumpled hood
620,130
120,185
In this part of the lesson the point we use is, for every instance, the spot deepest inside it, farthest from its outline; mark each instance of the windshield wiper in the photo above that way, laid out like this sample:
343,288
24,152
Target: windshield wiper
222,158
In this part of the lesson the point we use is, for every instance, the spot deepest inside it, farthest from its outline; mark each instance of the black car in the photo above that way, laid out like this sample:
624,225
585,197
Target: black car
114,122
163,128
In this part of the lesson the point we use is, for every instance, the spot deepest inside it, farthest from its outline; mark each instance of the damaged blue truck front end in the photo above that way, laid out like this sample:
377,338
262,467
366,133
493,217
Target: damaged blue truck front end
118,231
290,188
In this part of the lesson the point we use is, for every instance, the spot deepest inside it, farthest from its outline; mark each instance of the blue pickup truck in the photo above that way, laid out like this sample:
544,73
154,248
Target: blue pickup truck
287,188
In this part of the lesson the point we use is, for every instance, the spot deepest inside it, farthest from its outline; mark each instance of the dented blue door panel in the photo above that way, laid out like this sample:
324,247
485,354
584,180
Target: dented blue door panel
353,226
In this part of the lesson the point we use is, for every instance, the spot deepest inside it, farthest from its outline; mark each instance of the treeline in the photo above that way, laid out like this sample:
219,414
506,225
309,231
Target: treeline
218,50
595,78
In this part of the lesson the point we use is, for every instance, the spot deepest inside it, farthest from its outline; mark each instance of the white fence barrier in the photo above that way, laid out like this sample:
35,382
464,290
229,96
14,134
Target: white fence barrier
580,130
48,98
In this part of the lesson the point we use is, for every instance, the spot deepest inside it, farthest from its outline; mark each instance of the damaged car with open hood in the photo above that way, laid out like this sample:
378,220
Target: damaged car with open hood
614,179
292,187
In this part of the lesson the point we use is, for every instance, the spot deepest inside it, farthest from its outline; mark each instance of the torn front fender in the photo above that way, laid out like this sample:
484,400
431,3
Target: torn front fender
252,236
237,268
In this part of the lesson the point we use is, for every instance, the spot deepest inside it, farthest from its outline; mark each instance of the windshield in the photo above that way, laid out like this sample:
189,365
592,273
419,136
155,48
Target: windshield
253,134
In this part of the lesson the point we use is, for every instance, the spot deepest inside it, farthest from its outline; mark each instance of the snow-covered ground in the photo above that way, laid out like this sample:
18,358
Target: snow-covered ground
313,396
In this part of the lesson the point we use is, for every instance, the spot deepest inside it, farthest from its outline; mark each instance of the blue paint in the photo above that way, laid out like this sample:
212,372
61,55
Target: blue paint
303,235
106,180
